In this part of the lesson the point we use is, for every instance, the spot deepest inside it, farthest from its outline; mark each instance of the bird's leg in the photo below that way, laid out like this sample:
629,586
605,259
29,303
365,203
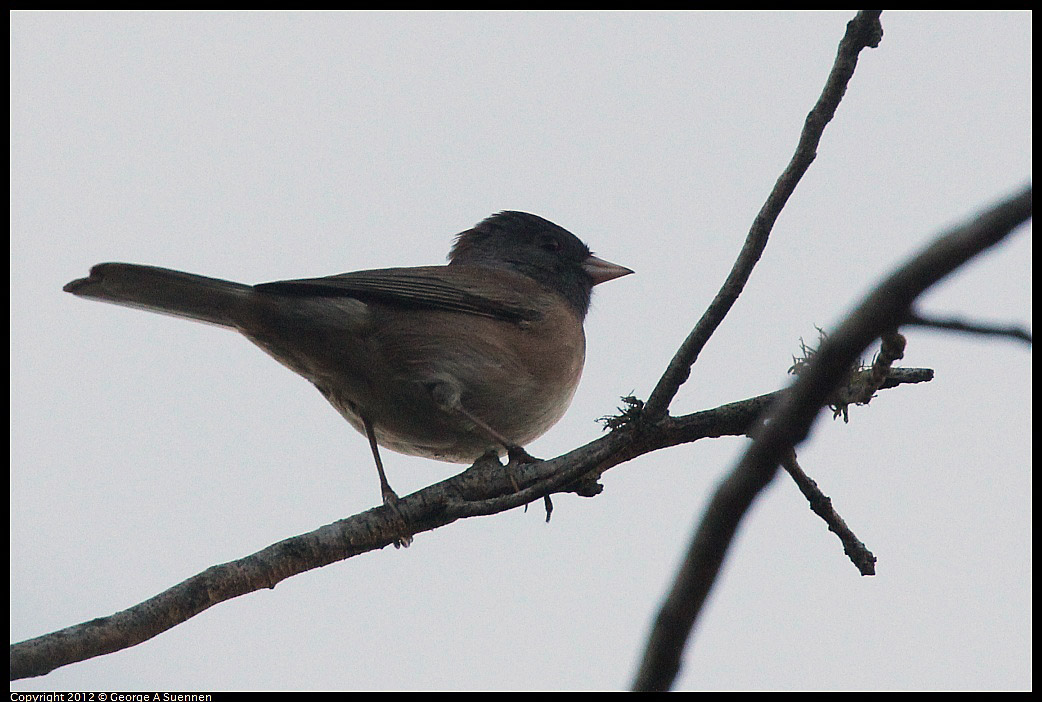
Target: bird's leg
447,397
390,498
515,454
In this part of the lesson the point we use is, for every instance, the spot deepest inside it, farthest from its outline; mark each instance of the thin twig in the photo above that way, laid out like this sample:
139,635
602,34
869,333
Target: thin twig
862,31
1010,331
821,505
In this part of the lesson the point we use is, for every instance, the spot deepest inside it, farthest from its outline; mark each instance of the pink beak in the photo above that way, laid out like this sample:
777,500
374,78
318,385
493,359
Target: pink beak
602,271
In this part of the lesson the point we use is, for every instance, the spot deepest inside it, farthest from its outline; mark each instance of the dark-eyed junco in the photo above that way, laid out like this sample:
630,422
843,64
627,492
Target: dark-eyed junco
448,362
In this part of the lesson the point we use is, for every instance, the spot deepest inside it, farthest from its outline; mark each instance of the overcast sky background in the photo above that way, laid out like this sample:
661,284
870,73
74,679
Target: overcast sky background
261,146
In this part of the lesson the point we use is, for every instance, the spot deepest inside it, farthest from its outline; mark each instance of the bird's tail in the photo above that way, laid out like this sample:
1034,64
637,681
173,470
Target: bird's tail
162,290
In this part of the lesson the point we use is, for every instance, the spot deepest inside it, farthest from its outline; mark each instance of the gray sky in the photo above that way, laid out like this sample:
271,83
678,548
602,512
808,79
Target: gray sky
267,145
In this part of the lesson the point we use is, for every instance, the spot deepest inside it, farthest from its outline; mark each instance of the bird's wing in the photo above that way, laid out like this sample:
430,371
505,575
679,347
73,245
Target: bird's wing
490,292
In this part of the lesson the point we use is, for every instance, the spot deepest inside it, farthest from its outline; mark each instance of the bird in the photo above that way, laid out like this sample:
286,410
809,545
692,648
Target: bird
449,362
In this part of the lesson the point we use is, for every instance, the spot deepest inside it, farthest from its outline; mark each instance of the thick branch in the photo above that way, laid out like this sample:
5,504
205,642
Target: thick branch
485,488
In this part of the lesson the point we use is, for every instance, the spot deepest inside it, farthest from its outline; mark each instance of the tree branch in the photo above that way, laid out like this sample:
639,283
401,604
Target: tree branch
862,31
821,505
789,419
484,488
1010,331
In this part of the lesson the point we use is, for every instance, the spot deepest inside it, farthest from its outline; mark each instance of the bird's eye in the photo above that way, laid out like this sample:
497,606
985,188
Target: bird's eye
550,244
